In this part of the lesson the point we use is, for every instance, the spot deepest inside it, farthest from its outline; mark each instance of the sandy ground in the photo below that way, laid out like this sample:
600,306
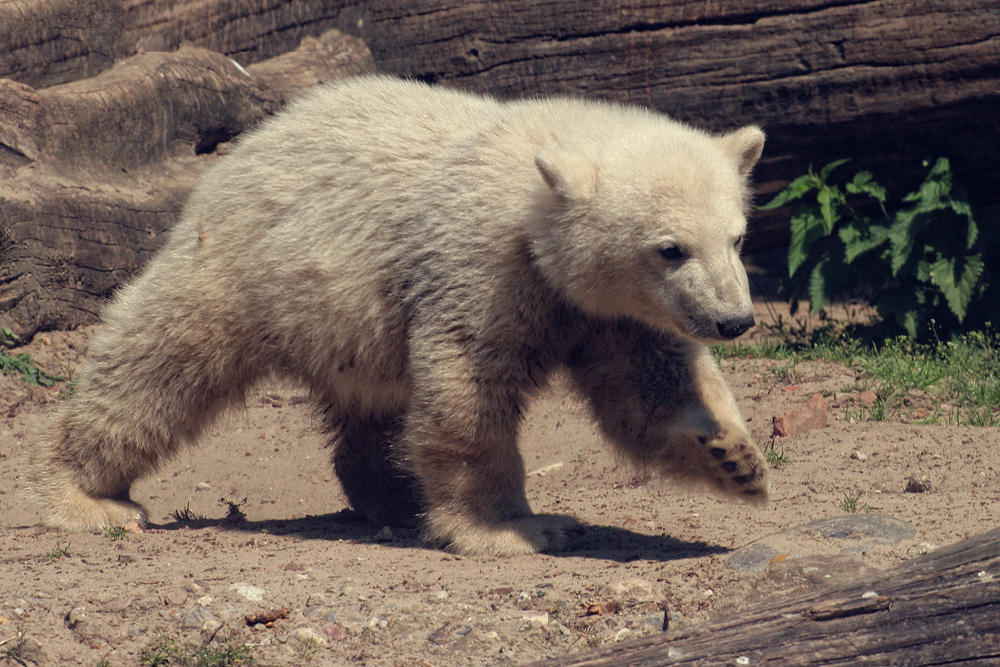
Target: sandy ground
346,593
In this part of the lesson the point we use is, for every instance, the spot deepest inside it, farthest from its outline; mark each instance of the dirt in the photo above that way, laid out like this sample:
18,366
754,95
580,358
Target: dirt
250,540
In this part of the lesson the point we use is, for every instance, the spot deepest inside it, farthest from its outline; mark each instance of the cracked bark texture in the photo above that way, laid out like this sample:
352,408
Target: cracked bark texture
93,172
96,158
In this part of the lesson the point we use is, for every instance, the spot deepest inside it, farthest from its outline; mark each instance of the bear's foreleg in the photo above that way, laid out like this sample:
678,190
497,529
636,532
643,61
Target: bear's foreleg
461,443
663,403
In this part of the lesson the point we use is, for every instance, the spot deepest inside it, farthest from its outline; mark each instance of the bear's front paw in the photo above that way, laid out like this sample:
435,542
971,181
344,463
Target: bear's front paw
525,535
736,465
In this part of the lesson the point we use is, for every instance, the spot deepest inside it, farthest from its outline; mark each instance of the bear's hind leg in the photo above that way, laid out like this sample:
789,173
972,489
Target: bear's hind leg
372,477
157,372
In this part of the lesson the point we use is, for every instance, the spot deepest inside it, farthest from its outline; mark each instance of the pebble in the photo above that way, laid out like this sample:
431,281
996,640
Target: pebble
920,484
202,486
248,591
307,637
532,621
631,590
859,455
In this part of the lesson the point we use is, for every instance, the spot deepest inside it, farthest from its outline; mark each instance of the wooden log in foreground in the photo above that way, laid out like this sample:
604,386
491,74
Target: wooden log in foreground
939,609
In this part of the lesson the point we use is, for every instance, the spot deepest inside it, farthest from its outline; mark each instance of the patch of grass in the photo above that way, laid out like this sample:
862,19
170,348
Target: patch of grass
18,652
116,533
850,504
775,455
61,551
962,374
70,378
167,651
28,368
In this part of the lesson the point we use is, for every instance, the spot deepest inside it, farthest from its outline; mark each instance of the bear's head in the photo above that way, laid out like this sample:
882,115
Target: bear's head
647,222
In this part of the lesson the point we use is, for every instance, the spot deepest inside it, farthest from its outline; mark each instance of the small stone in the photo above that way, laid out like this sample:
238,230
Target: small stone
918,484
175,597
307,637
867,397
534,621
204,601
202,486
75,618
119,604
441,595
814,414
248,591
196,617
132,527
859,455
622,635
335,632
384,535
631,590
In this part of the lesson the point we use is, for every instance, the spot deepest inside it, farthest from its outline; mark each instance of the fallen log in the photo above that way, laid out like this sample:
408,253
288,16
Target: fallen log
939,609
94,172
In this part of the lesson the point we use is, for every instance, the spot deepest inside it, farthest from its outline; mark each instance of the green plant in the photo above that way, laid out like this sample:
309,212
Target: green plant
8,338
850,504
166,650
116,533
61,551
775,456
923,266
27,367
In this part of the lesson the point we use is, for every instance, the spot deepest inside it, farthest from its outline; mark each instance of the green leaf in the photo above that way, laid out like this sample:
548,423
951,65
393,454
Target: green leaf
957,278
860,239
818,294
794,190
863,184
825,171
829,197
806,227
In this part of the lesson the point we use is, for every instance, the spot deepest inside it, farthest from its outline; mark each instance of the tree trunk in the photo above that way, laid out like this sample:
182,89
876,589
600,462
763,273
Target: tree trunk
939,609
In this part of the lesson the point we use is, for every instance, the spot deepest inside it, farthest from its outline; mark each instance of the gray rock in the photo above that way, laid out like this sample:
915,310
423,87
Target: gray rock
853,534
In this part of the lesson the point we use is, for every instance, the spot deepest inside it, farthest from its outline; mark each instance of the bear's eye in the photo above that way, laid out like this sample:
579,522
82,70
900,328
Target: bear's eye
671,253
738,243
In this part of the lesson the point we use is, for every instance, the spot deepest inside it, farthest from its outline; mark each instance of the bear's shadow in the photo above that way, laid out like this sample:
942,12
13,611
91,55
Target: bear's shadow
599,542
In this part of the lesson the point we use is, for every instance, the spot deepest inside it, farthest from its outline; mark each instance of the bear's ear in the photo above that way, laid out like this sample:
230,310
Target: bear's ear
571,177
745,145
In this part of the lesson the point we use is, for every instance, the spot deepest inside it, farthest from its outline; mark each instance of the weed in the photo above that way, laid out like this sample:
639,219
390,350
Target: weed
61,551
104,662
850,504
925,265
116,533
70,375
186,515
18,652
29,369
234,511
776,456
167,651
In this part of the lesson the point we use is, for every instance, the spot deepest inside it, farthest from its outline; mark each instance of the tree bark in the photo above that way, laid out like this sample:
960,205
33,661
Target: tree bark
888,83
94,172
939,609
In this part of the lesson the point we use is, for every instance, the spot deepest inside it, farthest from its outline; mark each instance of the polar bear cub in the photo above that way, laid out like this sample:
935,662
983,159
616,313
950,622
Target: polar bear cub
423,260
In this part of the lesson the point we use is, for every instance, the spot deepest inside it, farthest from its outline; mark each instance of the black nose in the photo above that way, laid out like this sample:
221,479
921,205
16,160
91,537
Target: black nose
735,327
